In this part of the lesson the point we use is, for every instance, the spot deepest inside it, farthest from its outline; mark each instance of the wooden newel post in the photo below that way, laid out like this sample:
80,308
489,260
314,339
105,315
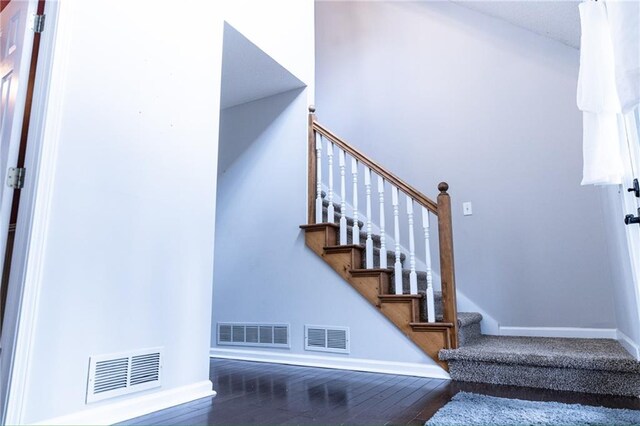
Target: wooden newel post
447,270
311,178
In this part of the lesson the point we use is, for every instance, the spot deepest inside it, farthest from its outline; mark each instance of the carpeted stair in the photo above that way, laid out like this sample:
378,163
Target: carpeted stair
600,366
468,322
581,365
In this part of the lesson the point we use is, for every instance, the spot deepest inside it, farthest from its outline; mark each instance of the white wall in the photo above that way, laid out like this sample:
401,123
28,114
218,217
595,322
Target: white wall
263,270
128,251
624,293
624,245
437,92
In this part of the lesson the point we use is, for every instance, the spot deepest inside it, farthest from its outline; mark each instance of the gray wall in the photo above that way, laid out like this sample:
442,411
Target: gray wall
263,272
437,92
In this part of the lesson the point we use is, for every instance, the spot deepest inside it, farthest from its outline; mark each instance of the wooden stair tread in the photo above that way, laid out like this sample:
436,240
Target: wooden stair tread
320,225
400,297
430,325
343,248
373,284
361,271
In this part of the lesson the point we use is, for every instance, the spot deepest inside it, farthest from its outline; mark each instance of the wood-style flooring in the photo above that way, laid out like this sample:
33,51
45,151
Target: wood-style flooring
273,394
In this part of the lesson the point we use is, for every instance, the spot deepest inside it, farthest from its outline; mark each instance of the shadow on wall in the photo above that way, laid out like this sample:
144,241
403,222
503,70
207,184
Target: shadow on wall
249,74
238,132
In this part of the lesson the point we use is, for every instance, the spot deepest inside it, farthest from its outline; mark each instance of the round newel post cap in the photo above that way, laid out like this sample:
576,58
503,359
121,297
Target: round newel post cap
443,187
312,109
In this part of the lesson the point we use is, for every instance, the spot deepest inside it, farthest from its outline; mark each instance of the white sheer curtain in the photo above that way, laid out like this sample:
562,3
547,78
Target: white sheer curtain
608,85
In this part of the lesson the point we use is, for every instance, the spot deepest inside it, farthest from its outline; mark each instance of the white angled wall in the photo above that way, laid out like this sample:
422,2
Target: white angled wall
283,29
128,259
434,91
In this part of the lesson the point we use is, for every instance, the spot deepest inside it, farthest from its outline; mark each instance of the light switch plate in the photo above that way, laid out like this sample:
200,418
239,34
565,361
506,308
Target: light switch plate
466,208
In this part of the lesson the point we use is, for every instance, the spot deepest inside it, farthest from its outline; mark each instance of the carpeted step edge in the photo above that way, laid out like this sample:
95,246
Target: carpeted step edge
599,381
376,259
468,318
336,206
536,360
350,221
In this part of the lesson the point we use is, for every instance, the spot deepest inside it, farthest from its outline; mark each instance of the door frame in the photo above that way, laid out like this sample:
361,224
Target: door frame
630,204
32,224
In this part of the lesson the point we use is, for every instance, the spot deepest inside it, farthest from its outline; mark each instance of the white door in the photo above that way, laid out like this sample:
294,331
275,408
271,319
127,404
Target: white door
631,201
16,44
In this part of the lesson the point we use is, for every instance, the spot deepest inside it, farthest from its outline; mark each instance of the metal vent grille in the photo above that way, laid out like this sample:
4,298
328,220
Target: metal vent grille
326,339
111,375
251,334
337,339
280,335
316,337
119,374
224,333
145,369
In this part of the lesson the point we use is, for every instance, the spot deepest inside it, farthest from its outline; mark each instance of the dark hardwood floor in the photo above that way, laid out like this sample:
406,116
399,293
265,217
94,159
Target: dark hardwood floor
260,393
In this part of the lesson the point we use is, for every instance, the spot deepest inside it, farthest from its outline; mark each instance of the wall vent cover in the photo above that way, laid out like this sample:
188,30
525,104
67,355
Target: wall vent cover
119,374
326,339
252,334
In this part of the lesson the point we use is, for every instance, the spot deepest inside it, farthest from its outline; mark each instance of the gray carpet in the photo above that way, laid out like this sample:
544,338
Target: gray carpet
579,365
592,354
473,409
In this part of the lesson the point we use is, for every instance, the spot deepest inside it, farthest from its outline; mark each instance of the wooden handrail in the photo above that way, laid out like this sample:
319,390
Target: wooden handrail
419,197
442,209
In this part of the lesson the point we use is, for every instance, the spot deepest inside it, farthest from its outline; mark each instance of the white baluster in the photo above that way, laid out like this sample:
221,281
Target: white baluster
431,311
318,179
355,231
331,218
343,199
369,243
383,238
396,227
413,277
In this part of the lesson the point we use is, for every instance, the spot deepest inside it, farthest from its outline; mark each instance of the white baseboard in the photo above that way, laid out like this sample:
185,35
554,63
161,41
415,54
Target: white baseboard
108,414
575,332
631,346
354,364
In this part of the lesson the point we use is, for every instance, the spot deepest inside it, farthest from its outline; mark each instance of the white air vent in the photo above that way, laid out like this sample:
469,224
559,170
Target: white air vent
250,334
123,373
326,339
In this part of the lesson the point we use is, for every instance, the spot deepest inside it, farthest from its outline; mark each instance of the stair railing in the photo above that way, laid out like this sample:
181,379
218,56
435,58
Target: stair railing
320,138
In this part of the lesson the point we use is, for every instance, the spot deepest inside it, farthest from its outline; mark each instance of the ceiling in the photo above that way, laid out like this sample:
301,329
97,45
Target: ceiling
557,19
242,61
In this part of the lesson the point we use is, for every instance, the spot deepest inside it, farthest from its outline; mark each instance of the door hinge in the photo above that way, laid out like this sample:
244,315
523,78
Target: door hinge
636,188
38,23
631,219
15,177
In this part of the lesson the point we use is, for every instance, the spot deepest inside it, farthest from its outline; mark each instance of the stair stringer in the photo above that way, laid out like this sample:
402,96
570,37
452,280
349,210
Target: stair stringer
489,324
373,285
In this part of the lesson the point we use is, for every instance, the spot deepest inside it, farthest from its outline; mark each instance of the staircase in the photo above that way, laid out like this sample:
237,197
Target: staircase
407,297
407,311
